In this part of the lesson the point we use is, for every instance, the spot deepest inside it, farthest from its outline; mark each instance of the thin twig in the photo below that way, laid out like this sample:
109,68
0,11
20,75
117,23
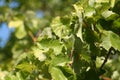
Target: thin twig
38,33
34,38
106,58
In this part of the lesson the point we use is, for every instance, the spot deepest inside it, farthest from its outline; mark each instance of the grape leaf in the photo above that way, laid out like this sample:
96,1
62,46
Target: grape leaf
57,74
60,27
47,44
59,61
110,39
25,67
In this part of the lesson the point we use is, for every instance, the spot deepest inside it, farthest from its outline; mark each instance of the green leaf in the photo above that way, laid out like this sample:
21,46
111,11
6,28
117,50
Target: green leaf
10,77
85,56
107,13
113,16
47,44
25,67
69,43
15,23
38,53
59,61
79,33
68,72
89,12
116,24
112,3
79,12
60,27
102,1
110,39
19,76
91,3
20,32
57,74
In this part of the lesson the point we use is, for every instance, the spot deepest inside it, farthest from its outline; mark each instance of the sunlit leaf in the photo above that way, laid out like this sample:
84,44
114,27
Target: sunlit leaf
110,39
26,67
57,74
79,33
47,44
112,3
79,11
91,3
102,1
59,61
89,12
68,72
60,28
106,14
15,23
39,54
20,32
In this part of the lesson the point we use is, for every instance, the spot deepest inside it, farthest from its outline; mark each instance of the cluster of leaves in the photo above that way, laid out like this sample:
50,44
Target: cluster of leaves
75,46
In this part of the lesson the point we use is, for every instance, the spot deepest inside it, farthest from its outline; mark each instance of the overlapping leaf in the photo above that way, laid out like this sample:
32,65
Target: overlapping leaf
57,74
60,27
47,44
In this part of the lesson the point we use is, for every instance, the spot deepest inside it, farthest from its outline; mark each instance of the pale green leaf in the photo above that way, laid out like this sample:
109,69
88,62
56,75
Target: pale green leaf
57,74
47,44
26,67
91,3
15,23
112,3
20,32
89,11
102,1
110,39
107,13
69,73
59,61
38,53
60,28
47,32
10,77
79,33
19,76
79,10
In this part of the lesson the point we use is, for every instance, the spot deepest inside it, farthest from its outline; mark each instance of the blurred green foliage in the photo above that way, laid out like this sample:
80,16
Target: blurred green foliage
61,40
